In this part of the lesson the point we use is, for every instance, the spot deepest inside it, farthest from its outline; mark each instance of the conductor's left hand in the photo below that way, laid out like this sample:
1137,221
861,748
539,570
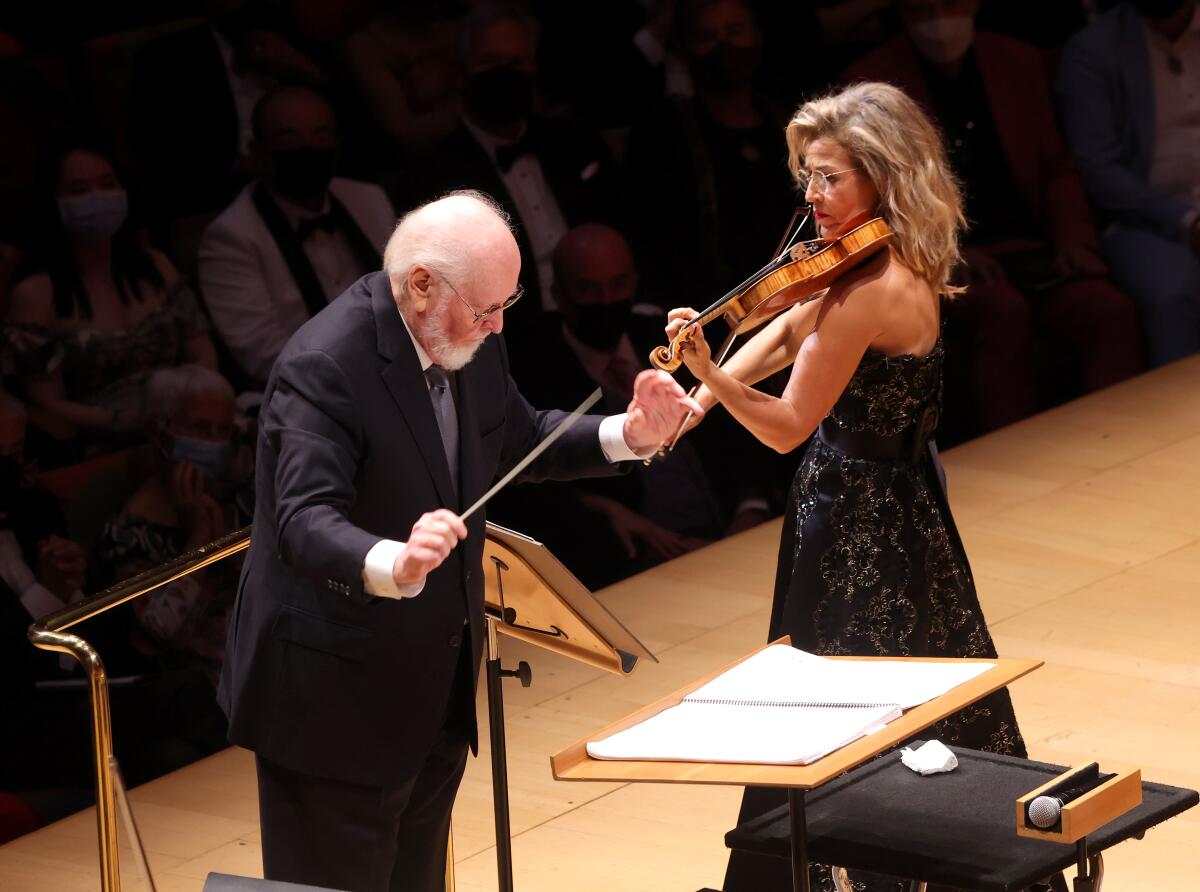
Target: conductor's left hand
657,407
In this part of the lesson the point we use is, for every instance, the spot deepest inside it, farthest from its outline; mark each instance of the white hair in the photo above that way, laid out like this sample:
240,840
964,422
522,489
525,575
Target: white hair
440,235
168,390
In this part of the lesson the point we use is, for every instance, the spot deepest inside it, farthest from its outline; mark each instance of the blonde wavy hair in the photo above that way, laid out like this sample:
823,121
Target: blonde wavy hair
898,147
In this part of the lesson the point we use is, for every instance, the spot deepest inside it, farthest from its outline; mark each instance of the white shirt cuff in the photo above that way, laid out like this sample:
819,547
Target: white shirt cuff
612,441
377,572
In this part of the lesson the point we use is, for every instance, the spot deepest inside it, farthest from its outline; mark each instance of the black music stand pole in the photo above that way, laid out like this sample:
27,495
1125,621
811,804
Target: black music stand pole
495,679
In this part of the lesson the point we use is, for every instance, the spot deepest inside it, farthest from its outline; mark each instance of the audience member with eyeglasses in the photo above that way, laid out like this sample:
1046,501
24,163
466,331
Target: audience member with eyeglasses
356,641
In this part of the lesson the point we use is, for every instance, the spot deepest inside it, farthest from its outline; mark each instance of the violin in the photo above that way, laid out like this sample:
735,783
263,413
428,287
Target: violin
798,274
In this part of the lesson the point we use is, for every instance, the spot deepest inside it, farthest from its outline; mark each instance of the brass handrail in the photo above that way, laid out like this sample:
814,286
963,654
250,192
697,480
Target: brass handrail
48,634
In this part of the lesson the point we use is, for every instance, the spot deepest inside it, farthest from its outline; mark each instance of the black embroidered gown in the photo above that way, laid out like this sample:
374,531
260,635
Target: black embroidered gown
870,564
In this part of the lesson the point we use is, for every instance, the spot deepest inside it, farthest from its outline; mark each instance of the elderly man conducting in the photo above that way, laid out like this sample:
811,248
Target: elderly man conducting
356,638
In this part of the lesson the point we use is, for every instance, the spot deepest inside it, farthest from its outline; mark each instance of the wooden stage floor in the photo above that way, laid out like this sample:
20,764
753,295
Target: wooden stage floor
1083,527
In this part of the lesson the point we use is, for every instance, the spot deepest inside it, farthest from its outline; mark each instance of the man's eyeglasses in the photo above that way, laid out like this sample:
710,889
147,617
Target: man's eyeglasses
819,181
480,315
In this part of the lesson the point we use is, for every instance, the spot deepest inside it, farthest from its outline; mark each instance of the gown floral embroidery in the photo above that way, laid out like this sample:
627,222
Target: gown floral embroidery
870,563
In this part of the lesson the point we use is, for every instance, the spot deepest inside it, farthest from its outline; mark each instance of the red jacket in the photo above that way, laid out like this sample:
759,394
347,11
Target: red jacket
1018,91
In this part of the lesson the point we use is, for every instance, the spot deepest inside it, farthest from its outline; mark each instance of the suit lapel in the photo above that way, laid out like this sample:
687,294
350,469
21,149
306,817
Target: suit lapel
405,381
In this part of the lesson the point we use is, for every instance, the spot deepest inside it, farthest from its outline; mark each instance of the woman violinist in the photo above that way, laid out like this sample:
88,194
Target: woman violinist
870,563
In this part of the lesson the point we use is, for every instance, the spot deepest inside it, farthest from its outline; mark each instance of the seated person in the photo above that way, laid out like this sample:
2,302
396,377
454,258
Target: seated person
700,491
1128,100
405,66
709,168
549,174
192,95
43,569
195,493
101,312
1032,256
293,240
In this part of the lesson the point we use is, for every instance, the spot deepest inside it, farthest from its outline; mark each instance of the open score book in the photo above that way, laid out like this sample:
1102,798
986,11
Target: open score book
783,706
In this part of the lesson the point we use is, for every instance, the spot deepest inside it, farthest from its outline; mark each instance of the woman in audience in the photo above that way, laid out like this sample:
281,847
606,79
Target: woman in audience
102,311
190,498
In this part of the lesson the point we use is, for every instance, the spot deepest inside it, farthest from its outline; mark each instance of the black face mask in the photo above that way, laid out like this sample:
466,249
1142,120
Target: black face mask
500,95
1159,9
726,66
601,325
303,173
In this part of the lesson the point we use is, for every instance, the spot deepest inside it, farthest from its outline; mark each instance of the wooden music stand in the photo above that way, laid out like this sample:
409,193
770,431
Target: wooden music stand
574,763
530,596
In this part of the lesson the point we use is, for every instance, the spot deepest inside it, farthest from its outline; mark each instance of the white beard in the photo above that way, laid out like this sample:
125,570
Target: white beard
441,350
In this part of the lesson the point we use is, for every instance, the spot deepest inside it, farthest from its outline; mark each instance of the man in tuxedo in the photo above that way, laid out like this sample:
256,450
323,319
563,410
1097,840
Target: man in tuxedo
355,642
293,240
548,174
713,482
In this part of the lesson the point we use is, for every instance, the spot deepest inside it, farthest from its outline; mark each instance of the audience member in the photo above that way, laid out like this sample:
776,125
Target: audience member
292,240
102,311
625,41
194,494
708,170
548,174
407,72
1129,95
1032,253
42,568
705,488
193,96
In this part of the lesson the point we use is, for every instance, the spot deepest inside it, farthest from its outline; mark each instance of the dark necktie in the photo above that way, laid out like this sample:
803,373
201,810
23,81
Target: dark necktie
309,225
447,417
507,155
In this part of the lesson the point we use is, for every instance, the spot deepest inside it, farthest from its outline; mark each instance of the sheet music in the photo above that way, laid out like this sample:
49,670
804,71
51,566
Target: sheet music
784,706
784,673
703,732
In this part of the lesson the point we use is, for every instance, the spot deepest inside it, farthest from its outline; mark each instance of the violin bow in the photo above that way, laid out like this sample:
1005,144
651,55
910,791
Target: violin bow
785,244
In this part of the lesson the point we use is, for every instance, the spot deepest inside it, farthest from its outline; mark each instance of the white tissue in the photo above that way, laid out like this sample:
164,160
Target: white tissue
929,758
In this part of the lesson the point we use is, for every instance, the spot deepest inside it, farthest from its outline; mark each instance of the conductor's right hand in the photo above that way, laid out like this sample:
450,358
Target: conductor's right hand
433,537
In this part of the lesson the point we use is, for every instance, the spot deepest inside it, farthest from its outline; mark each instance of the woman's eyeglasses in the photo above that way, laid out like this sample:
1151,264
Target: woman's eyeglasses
819,181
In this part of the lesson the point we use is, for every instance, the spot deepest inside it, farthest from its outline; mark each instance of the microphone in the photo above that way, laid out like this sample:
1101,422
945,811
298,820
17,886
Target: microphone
1045,810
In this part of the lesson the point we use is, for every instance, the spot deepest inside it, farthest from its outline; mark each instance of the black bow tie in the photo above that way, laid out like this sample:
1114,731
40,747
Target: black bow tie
309,225
507,155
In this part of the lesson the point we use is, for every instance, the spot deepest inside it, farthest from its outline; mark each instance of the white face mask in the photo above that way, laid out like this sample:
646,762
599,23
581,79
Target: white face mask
94,215
943,40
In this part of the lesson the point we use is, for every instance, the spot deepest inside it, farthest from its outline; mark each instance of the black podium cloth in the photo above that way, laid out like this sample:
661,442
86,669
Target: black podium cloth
955,829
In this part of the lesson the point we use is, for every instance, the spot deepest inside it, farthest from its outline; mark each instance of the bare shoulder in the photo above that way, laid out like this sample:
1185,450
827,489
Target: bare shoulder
32,300
865,290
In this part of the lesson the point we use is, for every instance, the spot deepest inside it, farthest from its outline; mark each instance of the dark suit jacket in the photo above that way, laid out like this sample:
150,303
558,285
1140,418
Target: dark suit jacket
1018,90
1106,99
577,167
319,676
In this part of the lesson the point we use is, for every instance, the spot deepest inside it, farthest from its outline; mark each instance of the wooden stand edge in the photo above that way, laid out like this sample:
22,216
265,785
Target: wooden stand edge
1090,811
574,764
